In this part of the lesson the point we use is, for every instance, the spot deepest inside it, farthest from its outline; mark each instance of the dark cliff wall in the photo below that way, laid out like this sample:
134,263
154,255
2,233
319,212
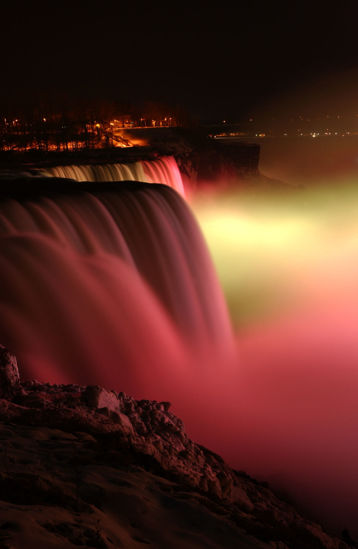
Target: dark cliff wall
214,162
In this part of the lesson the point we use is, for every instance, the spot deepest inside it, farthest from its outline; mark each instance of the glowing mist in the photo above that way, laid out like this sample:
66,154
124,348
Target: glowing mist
288,266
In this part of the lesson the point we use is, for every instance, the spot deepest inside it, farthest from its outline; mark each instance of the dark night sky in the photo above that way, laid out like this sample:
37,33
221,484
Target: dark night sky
215,61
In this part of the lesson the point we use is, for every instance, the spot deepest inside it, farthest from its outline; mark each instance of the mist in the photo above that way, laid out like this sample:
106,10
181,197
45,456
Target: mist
287,262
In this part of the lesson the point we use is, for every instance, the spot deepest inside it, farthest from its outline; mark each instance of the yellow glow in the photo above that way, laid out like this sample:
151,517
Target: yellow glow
274,252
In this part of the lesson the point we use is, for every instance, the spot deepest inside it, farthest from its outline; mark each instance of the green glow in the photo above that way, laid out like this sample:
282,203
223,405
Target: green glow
274,251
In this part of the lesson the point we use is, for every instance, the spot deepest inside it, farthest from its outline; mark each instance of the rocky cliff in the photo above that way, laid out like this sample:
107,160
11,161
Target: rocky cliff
84,466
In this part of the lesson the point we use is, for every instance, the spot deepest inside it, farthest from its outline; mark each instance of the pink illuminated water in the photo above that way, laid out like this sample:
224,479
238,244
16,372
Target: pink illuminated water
115,288
163,170
118,288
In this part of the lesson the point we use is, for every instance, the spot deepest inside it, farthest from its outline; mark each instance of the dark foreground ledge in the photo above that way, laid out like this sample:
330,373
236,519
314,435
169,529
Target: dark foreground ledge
91,467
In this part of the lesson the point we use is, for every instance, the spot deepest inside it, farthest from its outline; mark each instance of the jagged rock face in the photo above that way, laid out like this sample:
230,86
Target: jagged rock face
9,372
118,447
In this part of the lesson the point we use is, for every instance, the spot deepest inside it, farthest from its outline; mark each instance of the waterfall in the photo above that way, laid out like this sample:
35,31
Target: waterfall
108,286
163,170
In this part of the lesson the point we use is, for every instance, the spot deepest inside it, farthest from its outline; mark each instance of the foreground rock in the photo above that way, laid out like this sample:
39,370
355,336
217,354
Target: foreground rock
83,466
9,373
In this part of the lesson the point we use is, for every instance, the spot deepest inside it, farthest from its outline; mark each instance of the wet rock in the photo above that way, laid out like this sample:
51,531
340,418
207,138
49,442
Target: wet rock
97,397
164,406
9,372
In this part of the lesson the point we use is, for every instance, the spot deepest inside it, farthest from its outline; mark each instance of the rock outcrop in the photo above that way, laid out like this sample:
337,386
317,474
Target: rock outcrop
9,372
71,451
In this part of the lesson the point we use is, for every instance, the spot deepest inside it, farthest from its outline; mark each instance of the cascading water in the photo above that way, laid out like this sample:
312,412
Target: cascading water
163,170
111,286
